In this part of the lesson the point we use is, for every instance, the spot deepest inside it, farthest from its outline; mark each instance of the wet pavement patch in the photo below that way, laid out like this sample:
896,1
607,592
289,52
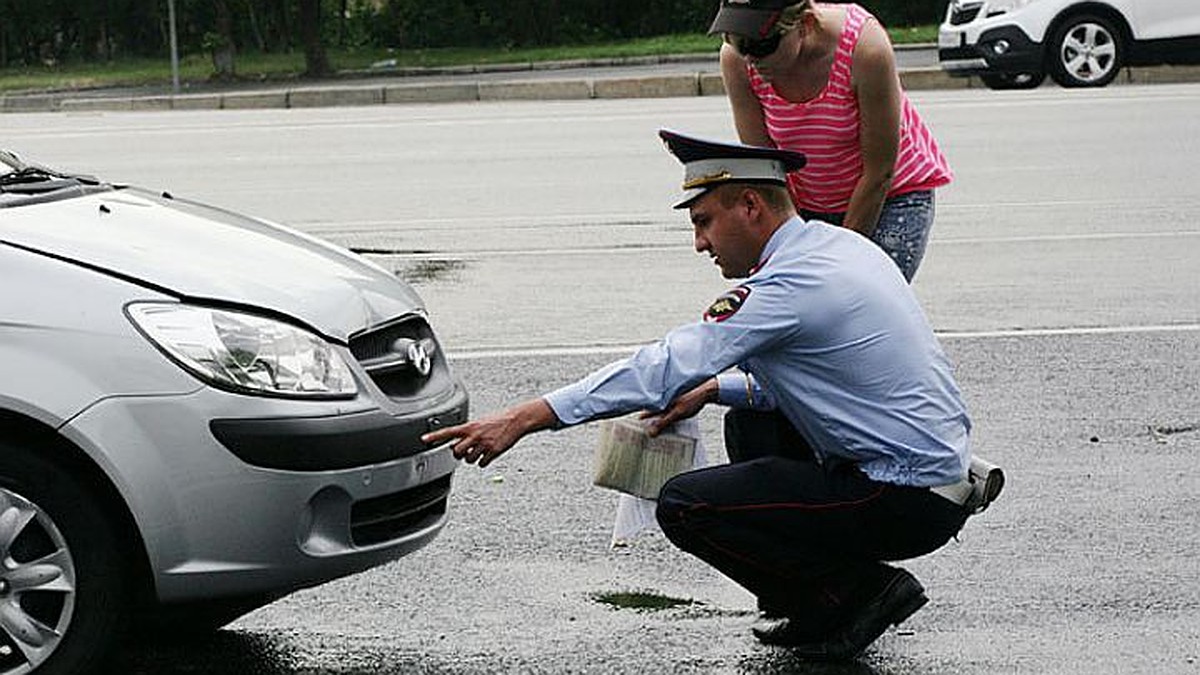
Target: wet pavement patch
1162,432
1166,430
639,600
430,270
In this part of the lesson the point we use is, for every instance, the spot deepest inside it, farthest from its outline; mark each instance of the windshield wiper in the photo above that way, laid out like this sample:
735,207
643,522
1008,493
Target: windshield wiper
31,174
30,183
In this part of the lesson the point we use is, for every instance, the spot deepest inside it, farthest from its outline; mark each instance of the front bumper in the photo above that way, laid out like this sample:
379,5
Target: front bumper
333,442
1002,50
215,525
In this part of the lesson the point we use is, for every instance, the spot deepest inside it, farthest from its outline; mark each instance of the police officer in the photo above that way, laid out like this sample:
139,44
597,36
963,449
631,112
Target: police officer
847,434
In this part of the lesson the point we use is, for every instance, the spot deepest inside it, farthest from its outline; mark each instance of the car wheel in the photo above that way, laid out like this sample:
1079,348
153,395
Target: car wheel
1086,51
1013,80
62,586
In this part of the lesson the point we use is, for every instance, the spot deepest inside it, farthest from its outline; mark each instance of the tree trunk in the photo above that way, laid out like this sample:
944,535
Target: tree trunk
222,48
342,11
316,62
254,28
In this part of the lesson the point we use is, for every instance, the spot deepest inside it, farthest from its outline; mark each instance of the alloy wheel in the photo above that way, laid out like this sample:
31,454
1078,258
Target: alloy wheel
1088,53
37,585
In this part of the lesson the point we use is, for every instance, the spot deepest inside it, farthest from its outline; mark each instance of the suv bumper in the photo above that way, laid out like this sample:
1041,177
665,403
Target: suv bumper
1003,49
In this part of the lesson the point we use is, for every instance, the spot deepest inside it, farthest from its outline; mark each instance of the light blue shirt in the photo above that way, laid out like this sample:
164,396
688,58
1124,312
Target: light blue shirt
826,330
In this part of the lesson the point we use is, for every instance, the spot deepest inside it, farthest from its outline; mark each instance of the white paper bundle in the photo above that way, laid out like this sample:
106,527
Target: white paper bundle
629,460
636,515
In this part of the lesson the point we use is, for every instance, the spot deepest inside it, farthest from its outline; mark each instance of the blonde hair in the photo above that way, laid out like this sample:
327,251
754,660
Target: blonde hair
790,16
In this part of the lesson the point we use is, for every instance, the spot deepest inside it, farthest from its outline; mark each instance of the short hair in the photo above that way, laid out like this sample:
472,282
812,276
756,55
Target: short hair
775,196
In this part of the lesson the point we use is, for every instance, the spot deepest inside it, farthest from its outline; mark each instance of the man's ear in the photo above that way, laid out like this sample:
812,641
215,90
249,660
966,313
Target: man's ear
752,201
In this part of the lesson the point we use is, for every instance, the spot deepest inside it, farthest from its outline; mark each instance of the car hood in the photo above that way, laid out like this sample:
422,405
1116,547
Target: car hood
205,254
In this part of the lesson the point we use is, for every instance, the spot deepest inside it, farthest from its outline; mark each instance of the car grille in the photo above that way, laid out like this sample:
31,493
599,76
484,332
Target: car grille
393,516
961,14
387,354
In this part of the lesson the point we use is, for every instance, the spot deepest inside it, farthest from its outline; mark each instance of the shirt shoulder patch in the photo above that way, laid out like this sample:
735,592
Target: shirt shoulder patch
727,305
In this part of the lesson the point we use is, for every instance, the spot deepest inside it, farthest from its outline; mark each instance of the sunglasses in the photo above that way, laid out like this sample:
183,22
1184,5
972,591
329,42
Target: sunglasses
758,49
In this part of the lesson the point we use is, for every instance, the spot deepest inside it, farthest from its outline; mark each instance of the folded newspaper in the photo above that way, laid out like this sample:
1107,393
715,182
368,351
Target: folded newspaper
629,460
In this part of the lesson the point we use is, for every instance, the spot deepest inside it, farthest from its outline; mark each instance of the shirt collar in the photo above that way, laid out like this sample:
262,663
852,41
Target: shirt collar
780,235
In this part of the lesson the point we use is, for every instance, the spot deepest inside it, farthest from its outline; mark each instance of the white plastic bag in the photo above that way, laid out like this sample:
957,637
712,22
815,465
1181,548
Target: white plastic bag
635,515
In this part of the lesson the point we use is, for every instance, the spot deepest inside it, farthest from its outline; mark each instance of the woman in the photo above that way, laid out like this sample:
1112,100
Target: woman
822,79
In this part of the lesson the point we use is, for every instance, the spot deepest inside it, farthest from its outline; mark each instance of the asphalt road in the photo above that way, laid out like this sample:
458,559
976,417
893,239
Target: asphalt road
1062,276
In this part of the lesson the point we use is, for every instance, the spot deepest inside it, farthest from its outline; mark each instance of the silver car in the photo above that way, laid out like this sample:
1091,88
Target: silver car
199,413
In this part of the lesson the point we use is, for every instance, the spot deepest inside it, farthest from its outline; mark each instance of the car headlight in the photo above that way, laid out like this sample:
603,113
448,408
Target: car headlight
1004,6
244,352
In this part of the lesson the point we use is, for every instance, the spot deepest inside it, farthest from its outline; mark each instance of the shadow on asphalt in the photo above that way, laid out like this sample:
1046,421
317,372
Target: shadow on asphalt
220,653
235,652
782,662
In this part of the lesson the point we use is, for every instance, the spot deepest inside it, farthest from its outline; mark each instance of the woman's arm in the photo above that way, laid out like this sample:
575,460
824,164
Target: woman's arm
877,85
747,113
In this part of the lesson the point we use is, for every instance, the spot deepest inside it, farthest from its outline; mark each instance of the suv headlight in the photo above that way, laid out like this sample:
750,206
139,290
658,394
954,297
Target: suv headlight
244,352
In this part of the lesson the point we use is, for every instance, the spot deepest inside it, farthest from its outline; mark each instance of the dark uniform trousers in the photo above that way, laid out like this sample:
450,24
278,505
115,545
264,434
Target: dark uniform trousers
808,538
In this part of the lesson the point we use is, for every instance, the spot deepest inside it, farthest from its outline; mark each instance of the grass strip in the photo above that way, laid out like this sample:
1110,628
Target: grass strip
252,67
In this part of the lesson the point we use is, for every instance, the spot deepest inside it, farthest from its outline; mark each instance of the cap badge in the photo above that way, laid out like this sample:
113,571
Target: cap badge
708,179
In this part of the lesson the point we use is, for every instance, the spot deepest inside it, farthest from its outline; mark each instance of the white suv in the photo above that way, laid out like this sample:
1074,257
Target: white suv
1014,44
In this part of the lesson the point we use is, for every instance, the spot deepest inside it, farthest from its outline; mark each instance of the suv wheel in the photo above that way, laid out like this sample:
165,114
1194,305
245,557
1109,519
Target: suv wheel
62,587
1085,51
1013,80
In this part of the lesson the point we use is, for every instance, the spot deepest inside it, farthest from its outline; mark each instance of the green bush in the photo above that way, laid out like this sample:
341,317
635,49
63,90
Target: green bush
411,24
529,23
897,13
33,32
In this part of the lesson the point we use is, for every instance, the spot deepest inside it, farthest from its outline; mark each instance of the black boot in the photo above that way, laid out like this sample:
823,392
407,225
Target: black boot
902,595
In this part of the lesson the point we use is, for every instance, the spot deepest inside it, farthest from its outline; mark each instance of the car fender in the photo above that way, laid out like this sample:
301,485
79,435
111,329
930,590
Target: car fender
68,344
1120,12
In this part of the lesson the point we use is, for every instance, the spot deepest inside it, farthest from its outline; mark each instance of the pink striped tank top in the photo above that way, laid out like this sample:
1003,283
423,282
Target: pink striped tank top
825,129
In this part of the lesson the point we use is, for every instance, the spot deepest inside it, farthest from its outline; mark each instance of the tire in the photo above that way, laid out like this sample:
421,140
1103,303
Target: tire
1085,51
1001,81
62,584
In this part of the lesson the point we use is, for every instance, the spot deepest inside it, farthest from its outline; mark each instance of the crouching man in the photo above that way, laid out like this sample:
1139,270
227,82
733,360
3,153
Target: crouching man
847,435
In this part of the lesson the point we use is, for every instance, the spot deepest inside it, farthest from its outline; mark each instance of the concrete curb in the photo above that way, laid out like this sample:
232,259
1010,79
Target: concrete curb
1161,75
432,93
535,90
335,96
652,86
699,83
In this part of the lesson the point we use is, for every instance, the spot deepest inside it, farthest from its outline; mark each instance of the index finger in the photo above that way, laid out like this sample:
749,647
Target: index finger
446,434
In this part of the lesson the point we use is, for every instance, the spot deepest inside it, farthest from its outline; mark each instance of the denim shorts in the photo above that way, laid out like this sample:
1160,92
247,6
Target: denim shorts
903,229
